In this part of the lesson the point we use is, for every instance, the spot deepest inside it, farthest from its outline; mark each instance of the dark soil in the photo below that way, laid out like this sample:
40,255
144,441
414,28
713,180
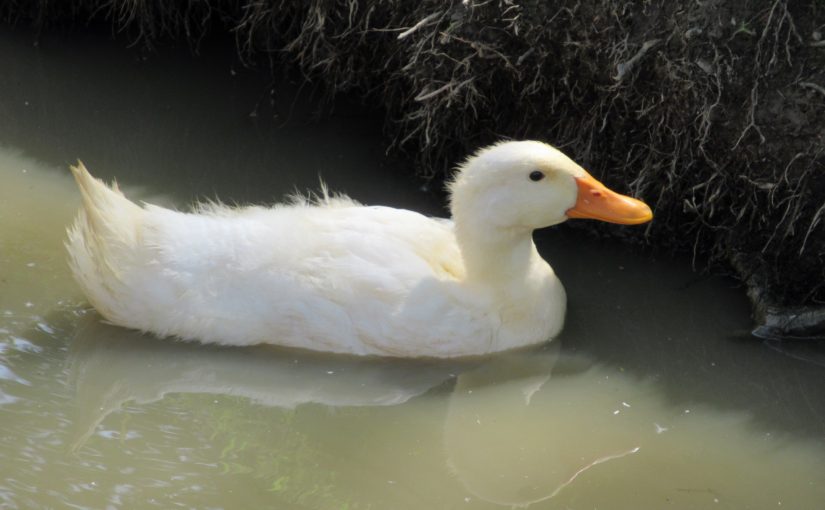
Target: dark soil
712,111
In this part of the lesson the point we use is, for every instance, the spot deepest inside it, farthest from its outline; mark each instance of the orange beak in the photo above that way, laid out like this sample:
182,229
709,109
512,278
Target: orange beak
596,201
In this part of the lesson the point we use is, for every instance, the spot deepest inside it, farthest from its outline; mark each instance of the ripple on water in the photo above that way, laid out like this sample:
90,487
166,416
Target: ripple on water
6,374
118,435
6,399
45,328
23,345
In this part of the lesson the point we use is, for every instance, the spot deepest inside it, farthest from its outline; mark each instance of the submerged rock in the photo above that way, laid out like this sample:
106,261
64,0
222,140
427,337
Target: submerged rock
712,111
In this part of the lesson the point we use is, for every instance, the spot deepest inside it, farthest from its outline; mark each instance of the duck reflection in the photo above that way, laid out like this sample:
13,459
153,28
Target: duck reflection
110,366
535,428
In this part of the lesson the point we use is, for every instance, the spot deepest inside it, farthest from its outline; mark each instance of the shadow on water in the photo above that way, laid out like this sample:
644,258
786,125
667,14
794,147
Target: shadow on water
141,120
655,318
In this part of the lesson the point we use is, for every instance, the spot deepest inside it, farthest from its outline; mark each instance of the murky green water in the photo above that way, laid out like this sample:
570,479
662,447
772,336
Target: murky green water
655,397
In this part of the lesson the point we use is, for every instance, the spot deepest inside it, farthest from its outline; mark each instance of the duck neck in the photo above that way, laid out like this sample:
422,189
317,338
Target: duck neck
495,257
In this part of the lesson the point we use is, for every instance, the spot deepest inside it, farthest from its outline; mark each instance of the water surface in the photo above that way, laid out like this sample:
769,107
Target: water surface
654,396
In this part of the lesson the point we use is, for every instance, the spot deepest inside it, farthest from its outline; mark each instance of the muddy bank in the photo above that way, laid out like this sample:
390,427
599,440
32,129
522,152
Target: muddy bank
713,112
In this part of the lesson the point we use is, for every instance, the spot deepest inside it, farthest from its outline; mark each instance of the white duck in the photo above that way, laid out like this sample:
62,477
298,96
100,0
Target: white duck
334,275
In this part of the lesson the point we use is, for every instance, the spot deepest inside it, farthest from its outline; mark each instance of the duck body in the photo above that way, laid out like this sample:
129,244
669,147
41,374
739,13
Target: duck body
327,274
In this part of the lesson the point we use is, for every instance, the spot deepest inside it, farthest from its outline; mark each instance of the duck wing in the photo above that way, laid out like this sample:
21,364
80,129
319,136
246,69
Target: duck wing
331,275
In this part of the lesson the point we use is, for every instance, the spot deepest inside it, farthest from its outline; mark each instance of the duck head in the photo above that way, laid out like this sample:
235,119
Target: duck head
528,185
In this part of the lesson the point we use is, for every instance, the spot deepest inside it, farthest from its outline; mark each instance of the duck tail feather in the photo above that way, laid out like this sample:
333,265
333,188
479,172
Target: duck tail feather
101,239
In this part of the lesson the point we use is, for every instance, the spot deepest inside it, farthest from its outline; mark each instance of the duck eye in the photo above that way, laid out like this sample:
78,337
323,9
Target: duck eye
536,175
